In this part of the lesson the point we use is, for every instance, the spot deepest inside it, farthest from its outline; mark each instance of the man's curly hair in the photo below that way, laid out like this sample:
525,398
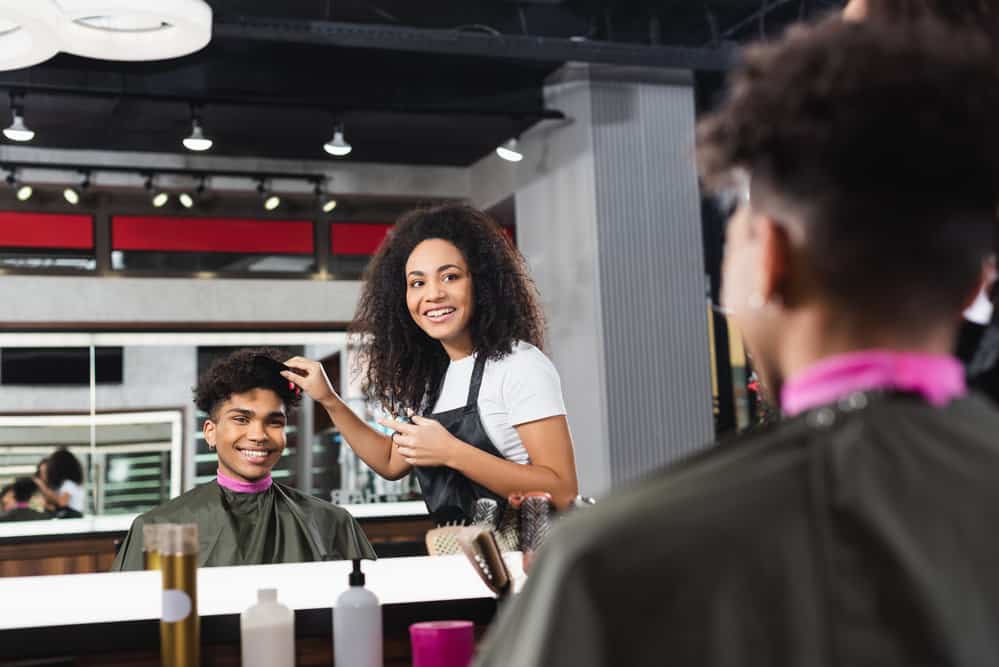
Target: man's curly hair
882,140
242,371
405,367
980,14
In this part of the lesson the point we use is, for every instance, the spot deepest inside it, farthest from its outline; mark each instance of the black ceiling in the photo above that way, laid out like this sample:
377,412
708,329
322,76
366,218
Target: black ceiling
441,82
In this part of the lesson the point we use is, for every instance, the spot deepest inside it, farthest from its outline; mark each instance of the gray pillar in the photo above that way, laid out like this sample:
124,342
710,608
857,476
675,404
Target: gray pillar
608,216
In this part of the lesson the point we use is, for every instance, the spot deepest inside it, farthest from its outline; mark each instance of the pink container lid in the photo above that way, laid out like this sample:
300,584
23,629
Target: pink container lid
442,643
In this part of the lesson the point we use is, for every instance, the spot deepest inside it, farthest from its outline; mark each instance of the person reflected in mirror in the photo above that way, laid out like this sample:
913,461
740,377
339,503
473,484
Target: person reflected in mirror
62,484
244,517
16,501
451,337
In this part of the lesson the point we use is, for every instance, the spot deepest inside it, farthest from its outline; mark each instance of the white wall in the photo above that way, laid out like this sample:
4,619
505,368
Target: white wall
94,299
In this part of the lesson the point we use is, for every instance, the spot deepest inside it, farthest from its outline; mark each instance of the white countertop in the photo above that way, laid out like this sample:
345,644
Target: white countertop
122,522
75,599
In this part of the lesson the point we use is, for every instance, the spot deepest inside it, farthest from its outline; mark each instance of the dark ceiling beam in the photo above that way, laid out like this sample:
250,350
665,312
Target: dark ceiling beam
468,43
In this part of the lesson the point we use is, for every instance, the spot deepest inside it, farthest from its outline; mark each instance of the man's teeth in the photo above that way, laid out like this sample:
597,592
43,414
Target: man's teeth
439,312
254,454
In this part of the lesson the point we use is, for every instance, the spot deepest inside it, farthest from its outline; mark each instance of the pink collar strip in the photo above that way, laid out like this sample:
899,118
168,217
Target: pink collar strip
937,378
243,487
21,506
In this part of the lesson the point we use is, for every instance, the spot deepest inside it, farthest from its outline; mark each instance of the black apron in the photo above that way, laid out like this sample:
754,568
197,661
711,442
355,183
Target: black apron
450,496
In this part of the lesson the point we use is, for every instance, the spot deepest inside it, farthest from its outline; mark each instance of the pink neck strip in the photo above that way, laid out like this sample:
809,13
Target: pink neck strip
21,506
937,378
243,487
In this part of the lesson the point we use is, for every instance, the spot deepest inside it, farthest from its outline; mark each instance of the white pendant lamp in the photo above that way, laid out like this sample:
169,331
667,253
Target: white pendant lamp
508,151
17,130
338,146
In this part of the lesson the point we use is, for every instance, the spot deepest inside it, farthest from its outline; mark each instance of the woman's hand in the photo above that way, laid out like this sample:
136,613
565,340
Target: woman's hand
424,442
312,378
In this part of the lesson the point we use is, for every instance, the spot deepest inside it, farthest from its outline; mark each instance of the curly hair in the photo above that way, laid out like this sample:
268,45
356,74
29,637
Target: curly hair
63,465
242,371
958,13
405,366
882,140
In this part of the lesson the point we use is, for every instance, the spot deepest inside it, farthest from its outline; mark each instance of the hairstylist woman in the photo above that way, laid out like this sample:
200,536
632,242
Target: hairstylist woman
452,333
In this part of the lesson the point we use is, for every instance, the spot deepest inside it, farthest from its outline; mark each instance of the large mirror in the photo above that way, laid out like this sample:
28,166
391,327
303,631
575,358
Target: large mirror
121,404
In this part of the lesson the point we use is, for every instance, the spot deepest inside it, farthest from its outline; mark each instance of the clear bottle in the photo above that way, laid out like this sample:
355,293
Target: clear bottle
357,625
267,632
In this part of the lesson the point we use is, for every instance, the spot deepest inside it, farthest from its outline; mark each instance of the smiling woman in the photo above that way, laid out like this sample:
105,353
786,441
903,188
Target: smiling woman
451,335
244,517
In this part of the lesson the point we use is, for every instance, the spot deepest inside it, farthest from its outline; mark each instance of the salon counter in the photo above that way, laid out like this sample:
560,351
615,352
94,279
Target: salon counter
112,618
74,546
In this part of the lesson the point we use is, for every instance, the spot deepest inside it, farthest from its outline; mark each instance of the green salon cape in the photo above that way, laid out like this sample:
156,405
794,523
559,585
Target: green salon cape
865,533
279,525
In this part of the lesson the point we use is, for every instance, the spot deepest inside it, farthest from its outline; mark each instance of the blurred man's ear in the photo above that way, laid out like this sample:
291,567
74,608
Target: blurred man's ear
855,10
209,429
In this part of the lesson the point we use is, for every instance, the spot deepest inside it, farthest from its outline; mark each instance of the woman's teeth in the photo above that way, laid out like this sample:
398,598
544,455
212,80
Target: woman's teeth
439,312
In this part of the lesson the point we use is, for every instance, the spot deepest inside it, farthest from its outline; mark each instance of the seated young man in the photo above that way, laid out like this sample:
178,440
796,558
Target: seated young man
860,530
16,499
244,517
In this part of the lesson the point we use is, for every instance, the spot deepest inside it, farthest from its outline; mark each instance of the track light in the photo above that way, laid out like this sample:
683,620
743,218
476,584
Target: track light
271,200
72,195
197,141
326,202
508,151
160,198
23,191
338,146
17,130
188,200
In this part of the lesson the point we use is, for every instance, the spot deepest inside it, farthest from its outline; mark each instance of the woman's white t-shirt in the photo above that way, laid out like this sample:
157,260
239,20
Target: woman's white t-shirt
521,387
76,495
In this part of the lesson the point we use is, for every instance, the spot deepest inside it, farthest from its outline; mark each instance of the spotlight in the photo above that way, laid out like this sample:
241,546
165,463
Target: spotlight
72,195
326,202
17,130
508,151
338,146
188,200
271,200
160,198
23,191
197,141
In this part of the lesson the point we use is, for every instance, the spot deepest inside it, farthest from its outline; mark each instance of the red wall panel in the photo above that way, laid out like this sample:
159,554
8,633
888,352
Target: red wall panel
278,237
357,238
45,230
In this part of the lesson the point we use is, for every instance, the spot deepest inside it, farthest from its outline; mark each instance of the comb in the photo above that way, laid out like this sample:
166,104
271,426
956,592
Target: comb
479,545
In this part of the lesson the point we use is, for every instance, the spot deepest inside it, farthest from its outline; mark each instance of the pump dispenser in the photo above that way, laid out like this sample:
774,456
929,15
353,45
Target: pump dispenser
357,625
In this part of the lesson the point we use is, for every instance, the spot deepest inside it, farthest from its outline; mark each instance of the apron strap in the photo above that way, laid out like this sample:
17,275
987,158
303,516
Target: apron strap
473,387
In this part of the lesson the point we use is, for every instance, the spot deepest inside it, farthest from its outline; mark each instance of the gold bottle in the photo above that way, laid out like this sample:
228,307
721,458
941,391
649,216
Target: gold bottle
180,636
151,546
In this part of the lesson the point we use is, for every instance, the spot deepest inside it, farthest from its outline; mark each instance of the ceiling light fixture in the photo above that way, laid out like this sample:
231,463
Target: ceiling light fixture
159,198
509,152
338,146
187,200
197,141
271,200
17,130
23,191
326,202
72,195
